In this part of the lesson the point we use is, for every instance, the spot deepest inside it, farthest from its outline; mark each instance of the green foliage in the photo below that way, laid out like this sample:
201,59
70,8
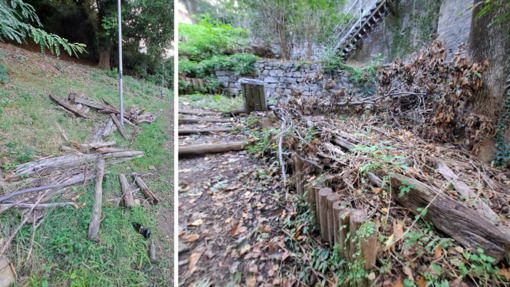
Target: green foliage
210,38
219,103
13,12
495,5
241,63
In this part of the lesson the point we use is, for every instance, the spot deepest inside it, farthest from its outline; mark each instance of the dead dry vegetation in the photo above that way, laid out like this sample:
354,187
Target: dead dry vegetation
378,191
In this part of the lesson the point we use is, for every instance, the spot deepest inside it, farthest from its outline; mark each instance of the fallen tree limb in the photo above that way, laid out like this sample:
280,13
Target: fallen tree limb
92,145
195,112
126,192
98,202
201,131
198,120
211,148
149,118
39,206
86,102
452,217
52,186
148,193
119,126
133,153
111,150
69,107
134,135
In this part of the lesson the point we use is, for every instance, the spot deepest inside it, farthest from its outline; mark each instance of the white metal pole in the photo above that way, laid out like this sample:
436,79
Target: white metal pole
120,68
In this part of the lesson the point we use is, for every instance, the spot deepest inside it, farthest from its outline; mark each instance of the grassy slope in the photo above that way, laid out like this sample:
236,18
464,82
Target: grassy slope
61,254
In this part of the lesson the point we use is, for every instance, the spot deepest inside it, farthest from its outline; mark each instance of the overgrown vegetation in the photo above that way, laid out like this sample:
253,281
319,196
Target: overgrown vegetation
219,103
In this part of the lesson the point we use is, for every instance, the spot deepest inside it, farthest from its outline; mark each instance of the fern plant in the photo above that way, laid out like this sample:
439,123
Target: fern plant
13,12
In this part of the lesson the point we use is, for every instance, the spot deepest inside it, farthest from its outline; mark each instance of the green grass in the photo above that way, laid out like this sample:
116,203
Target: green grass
212,102
62,256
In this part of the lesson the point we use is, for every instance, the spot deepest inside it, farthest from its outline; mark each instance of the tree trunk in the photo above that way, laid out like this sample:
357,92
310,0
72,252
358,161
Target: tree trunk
490,42
104,60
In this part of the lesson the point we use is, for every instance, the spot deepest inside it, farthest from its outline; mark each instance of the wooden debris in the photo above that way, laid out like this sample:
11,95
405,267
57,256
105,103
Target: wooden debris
145,189
39,206
196,112
201,131
111,150
70,107
98,202
92,145
134,135
199,120
211,148
126,192
63,133
119,126
74,97
453,218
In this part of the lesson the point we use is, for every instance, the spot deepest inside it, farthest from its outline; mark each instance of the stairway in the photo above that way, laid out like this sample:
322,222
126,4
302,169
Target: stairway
366,15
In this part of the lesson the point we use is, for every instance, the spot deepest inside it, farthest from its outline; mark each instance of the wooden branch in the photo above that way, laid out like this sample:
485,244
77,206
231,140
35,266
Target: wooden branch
119,126
323,211
211,148
148,193
134,135
331,198
453,218
111,150
196,112
126,192
149,118
87,103
198,120
98,202
38,206
69,107
200,131
343,143
92,145
134,153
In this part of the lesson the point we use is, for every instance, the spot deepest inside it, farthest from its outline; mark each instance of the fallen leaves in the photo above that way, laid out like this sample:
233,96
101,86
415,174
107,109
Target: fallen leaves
505,272
438,252
190,238
197,222
193,259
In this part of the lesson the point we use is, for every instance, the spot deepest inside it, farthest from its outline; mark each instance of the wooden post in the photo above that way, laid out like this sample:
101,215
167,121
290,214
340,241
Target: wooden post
310,194
336,208
323,211
357,218
331,220
369,248
344,221
98,201
298,166
127,195
316,190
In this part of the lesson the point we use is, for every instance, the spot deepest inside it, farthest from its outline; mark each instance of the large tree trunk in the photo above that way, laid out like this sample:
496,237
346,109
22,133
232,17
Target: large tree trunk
104,60
491,43
192,10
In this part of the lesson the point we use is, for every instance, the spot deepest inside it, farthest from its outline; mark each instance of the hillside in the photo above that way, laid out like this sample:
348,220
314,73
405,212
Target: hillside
57,252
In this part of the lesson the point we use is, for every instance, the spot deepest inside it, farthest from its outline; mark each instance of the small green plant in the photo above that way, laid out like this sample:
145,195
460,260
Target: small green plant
405,188
113,73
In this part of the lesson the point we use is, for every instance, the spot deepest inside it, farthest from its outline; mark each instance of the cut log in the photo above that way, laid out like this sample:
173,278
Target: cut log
357,217
38,206
82,101
196,112
134,153
98,202
203,131
343,142
64,161
198,120
336,209
453,218
344,219
69,107
332,198
119,126
323,211
479,205
211,148
126,192
111,150
92,145
145,189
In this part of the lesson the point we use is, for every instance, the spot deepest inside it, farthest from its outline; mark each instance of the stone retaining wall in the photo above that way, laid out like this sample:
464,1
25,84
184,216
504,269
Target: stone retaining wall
280,77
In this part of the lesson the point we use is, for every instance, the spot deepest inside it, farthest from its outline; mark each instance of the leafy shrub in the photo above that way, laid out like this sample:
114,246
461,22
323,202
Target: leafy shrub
210,38
241,63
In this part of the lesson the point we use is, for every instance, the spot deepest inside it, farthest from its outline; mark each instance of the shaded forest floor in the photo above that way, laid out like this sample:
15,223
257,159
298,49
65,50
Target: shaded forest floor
61,255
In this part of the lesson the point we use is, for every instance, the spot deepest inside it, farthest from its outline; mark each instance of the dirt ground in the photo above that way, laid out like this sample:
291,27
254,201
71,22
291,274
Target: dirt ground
231,210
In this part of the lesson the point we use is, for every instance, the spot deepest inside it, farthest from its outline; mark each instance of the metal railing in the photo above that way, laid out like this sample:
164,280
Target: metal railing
360,8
